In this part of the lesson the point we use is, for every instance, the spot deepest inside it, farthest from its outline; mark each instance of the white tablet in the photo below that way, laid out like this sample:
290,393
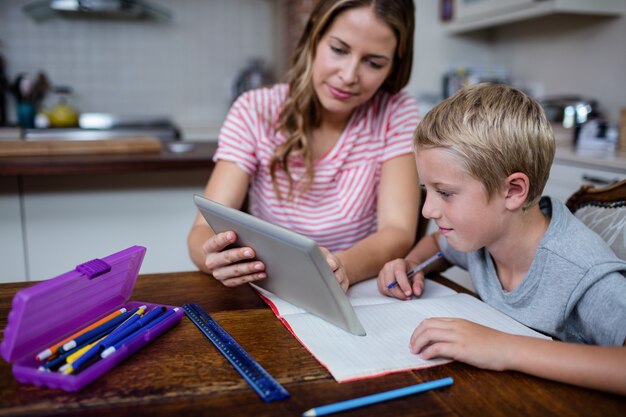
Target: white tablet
296,269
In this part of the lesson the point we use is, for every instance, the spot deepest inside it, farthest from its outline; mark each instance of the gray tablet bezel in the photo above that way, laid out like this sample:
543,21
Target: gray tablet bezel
297,270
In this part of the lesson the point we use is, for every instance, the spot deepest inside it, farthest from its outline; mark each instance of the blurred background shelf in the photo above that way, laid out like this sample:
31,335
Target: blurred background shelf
489,14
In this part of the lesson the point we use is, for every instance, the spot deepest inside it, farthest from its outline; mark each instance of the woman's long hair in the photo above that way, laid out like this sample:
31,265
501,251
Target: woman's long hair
301,111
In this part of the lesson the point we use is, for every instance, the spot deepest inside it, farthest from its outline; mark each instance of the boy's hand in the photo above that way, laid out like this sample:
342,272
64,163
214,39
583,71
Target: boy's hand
462,340
338,269
395,271
228,265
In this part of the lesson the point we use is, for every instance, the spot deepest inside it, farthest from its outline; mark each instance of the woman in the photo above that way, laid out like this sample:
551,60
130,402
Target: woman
322,155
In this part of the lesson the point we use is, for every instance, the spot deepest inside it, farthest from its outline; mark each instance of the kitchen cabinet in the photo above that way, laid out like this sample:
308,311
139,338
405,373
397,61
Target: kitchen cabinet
472,15
571,170
12,256
59,211
70,220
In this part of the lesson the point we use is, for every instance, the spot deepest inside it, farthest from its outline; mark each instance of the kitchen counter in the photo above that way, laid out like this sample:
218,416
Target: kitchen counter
614,161
174,156
198,155
50,204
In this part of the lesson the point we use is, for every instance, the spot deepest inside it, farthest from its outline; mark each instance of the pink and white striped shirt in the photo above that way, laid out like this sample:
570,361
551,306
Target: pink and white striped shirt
339,209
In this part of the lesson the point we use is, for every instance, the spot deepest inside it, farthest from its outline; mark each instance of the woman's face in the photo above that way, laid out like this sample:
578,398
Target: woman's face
352,60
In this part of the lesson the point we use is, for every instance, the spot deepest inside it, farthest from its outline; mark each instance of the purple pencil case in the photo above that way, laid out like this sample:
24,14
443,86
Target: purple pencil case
52,310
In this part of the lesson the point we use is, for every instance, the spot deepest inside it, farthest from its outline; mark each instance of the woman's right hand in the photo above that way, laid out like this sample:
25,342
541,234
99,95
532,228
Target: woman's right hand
231,266
405,287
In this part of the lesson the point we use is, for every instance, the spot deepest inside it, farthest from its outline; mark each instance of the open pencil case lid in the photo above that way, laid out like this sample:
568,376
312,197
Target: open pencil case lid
51,310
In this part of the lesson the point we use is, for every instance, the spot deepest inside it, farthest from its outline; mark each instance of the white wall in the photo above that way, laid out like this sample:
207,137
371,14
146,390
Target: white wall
570,54
435,52
184,68
561,54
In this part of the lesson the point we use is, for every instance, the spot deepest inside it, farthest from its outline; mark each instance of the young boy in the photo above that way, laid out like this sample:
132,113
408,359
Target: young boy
484,156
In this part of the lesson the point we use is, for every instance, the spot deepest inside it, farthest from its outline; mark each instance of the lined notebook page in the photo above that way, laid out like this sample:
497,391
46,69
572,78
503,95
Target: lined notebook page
389,324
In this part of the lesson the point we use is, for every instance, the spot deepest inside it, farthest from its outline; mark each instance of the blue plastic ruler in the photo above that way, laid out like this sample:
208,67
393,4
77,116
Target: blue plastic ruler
253,373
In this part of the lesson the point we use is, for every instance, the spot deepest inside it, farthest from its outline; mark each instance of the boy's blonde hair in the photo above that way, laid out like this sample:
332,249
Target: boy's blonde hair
496,130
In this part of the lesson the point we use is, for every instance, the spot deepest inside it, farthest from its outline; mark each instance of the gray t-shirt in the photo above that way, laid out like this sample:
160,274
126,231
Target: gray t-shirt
575,289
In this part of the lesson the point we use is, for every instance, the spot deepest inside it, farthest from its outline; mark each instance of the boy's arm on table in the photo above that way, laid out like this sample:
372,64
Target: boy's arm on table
597,367
397,216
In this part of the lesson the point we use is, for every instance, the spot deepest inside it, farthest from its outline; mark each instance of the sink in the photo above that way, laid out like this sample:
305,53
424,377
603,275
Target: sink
163,133
180,147
99,126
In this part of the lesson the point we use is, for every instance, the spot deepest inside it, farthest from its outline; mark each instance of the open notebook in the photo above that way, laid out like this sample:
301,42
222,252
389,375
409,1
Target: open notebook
389,324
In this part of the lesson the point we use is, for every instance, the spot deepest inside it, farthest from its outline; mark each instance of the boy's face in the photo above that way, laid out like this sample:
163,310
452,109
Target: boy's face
458,202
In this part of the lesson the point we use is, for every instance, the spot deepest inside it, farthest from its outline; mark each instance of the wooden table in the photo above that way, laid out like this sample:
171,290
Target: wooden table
181,373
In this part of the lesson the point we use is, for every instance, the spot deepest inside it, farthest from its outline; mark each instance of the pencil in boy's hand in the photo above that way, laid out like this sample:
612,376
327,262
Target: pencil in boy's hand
418,268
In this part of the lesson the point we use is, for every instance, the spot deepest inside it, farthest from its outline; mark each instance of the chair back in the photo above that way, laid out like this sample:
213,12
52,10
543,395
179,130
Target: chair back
603,210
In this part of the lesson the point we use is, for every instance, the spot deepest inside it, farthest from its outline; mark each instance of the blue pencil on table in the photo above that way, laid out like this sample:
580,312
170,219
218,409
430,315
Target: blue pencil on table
377,398
418,268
